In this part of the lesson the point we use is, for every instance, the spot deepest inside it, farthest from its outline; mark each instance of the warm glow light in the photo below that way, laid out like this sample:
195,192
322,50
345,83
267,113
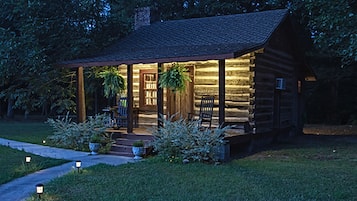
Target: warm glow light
78,164
44,141
39,190
28,159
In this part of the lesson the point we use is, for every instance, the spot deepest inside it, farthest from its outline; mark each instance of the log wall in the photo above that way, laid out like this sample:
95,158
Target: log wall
238,87
275,109
238,90
239,77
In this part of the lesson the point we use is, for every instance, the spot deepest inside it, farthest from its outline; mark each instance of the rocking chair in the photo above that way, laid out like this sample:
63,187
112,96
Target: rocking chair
206,112
122,118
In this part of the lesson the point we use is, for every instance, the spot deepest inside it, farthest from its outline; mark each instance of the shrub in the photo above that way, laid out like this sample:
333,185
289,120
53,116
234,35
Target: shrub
138,143
72,135
185,139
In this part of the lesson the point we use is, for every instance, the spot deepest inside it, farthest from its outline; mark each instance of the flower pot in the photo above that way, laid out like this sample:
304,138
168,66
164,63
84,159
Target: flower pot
138,152
94,147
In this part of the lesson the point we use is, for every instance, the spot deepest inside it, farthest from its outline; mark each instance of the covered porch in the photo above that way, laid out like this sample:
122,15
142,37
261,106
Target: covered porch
229,81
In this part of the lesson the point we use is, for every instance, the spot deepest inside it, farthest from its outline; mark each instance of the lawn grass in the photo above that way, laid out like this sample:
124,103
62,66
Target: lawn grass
13,163
32,132
307,168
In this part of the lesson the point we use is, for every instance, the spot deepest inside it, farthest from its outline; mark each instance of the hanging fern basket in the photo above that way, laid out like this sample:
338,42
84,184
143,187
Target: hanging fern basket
113,82
174,78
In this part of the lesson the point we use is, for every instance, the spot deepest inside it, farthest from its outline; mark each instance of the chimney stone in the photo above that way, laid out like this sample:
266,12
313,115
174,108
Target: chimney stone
142,17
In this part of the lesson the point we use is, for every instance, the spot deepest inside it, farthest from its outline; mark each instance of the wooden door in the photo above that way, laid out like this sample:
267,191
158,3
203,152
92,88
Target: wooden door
148,90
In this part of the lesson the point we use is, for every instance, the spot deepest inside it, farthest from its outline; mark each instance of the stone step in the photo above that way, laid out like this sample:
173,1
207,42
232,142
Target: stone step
121,148
123,144
118,153
137,136
129,142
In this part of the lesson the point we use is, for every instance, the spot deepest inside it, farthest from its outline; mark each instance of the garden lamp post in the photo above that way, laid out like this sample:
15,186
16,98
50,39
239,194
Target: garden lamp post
39,190
28,159
78,164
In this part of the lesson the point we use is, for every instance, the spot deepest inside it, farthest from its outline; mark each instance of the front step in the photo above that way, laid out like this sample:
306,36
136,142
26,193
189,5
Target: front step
124,142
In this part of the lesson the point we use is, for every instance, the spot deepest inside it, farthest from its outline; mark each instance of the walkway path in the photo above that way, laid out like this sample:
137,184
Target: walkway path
21,188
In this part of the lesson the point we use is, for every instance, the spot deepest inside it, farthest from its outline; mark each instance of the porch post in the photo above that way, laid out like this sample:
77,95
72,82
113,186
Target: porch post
222,90
81,104
130,97
160,96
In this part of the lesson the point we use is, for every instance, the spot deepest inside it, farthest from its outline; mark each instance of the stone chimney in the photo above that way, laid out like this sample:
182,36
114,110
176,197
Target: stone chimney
142,17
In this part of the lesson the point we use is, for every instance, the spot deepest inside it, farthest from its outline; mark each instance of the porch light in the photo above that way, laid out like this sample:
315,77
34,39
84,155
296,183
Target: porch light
28,159
39,190
78,165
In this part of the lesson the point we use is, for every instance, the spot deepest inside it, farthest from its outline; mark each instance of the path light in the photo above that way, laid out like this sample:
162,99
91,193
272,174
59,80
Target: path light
78,165
28,159
39,190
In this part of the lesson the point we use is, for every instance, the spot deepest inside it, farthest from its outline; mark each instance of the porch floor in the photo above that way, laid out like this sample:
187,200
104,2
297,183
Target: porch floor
147,121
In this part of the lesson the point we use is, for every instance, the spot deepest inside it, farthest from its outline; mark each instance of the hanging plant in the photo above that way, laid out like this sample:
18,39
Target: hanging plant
174,78
113,83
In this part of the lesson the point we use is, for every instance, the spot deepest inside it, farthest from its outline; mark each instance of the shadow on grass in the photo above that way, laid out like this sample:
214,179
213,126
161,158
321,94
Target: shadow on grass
319,142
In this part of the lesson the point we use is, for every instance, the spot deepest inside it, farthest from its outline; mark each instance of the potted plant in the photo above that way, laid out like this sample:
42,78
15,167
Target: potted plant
94,144
113,82
138,149
174,78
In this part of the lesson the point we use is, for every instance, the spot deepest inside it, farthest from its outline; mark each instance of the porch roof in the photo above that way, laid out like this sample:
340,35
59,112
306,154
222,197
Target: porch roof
219,37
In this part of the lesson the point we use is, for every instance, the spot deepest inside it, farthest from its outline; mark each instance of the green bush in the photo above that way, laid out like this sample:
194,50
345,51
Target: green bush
138,143
72,135
185,139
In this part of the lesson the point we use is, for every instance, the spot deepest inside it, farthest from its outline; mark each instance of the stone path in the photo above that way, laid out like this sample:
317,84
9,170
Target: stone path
21,188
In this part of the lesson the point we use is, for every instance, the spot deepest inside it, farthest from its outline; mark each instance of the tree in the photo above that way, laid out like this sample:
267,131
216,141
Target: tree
36,34
333,27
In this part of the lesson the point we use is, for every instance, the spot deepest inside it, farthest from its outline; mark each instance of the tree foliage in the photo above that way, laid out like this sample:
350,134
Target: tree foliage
333,27
37,34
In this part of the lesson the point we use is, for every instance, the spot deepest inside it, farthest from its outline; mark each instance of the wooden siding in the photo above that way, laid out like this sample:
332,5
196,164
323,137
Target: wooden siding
274,109
238,87
239,92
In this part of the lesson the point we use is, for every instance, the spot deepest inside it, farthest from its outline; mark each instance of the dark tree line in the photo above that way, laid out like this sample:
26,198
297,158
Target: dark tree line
37,34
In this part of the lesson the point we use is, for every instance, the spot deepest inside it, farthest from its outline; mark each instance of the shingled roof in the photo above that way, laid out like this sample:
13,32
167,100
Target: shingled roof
219,37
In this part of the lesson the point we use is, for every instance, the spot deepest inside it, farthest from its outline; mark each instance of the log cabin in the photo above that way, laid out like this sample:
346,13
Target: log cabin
250,62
